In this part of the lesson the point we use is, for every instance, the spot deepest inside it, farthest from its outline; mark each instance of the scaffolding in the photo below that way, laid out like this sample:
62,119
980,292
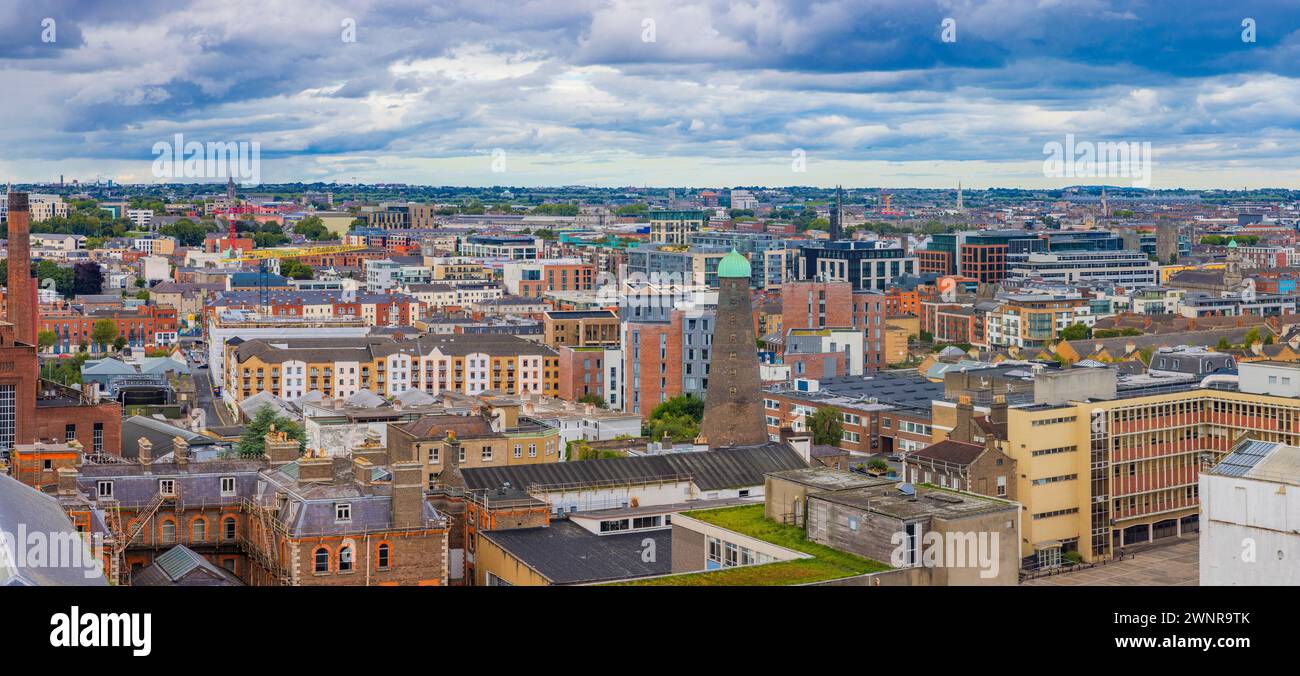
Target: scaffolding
263,547
124,537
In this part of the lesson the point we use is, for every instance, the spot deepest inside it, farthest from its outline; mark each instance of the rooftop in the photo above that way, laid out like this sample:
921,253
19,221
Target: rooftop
566,553
927,501
825,563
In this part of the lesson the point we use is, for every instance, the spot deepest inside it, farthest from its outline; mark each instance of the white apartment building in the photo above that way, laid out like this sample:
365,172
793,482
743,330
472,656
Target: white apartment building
1127,268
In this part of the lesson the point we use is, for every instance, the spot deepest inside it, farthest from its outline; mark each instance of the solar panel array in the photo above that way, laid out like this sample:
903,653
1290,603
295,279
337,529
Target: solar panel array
1248,454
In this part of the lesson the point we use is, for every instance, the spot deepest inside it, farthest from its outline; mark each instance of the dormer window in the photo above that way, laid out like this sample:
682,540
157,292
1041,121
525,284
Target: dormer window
343,511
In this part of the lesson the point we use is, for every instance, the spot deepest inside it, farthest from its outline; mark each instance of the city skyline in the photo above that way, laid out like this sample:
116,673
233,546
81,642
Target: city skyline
657,93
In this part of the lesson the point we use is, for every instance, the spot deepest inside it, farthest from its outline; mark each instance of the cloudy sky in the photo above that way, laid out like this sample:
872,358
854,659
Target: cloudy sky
650,92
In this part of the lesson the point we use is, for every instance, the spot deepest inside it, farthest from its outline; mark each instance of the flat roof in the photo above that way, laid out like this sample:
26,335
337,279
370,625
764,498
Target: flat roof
566,553
928,502
828,478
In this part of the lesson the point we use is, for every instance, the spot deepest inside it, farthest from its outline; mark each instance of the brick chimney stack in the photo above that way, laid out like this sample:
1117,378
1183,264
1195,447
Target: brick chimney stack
68,480
408,494
22,292
181,453
146,453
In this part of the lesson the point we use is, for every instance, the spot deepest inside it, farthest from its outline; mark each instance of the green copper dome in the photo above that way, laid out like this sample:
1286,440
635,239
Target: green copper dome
733,264
1232,244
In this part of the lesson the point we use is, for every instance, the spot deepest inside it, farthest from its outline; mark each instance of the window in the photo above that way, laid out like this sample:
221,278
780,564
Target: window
853,523
647,522
532,450
228,528
69,431
345,559
343,511
519,450
199,531
167,487
227,486
383,556
322,561
167,532
1002,486
487,454
104,489
613,526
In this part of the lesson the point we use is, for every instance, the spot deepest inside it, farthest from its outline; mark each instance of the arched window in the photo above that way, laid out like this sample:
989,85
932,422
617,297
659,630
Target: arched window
199,530
228,528
383,556
322,560
167,532
345,559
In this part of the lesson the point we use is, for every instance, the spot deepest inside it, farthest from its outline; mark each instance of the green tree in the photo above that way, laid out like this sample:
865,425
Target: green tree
1252,337
678,417
595,399
1076,332
119,343
46,339
827,426
104,332
186,232
313,228
295,269
253,442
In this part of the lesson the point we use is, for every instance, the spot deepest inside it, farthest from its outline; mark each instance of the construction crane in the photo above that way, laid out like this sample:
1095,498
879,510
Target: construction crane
254,255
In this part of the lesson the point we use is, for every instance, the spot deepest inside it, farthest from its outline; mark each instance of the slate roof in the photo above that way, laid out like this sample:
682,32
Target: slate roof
37,512
950,451
200,485
436,426
159,433
251,406
566,553
709,470
310,509
182,566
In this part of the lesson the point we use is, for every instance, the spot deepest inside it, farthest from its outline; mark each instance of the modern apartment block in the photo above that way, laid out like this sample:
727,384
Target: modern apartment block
341,367
1127,268
534,278
513,247
672,227
868,266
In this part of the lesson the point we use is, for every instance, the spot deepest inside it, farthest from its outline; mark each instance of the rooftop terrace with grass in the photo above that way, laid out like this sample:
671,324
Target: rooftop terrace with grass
825,563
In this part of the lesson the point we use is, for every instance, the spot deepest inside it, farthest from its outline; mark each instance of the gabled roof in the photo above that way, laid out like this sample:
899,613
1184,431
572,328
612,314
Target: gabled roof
182,566
954,452
22,505
108,367
709,470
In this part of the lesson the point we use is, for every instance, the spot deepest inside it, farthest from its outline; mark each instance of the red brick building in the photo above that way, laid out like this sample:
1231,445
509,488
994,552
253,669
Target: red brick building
31,409
820,305
73,326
